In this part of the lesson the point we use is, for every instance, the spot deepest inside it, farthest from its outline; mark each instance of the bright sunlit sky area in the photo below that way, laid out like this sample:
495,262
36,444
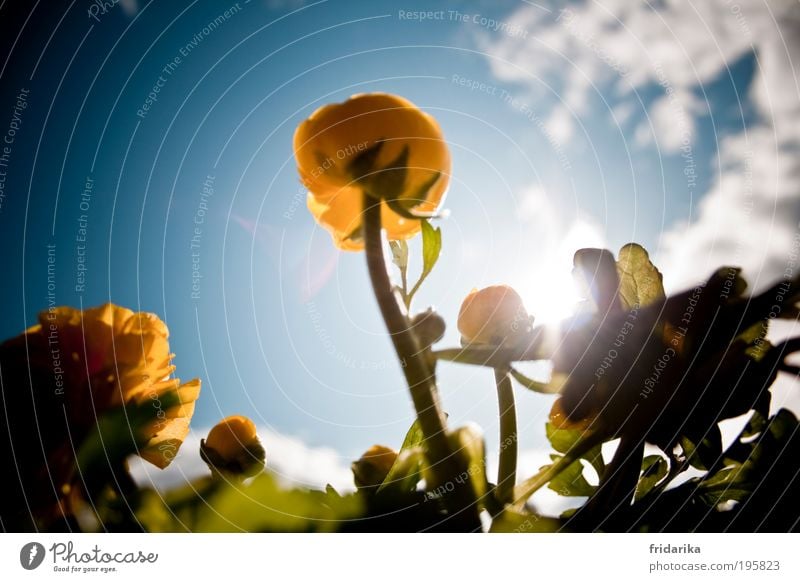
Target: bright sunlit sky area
591,123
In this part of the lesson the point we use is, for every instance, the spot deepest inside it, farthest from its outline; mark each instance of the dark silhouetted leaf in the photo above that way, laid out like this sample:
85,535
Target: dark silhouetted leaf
654,469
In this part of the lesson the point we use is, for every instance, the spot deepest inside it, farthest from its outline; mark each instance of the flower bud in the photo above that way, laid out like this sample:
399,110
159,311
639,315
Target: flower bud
373,466
493,316
232,447
428,326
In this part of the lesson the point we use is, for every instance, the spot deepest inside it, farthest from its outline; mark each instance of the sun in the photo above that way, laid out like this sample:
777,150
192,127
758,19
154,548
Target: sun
548,288
549,293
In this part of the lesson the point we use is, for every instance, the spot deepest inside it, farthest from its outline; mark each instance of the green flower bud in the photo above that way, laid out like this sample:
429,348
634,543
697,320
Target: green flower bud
428,326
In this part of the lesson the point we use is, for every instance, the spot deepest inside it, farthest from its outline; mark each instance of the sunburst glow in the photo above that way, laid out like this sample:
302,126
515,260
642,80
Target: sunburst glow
549,290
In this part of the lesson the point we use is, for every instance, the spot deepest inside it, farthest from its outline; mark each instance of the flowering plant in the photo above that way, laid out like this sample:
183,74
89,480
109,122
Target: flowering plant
640,385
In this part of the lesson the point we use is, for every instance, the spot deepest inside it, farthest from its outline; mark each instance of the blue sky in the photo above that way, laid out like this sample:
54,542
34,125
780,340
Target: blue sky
578,124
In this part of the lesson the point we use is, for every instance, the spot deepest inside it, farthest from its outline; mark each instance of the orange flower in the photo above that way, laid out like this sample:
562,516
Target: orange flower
108,356
334,150
493,316
373,466
70,375
233,446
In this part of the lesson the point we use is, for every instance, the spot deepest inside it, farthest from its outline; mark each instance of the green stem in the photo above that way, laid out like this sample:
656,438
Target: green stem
414,290
548,473
496,357
447,467
406,297
507,470
531,384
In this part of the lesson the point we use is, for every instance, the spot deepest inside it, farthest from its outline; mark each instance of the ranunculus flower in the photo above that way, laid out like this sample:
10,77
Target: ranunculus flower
233,447
69,370
111,356
372,141
493,316
373,466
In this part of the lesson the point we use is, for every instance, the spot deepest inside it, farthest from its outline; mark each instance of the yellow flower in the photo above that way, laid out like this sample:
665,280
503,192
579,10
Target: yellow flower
68,377
493,316
335,141
373,466
109,356
233,446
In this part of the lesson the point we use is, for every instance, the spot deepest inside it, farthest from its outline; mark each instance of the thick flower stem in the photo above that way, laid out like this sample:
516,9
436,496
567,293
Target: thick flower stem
507,471
447,467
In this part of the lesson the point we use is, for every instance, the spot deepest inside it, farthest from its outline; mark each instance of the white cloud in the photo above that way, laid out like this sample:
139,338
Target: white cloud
749,217
674,120
291,460
750,213
643,135
670,122
622,112
535,206
560,125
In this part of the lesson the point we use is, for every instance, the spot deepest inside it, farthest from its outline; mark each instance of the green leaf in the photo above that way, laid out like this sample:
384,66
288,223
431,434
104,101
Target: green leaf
705,454
570,482
640,281
749,463
406,471
156,516
754,426
468,441
782,425
431,248
414,437
566,440
728,484
755,332
259,506
755,338
741,450
563,440
735,284
399,250
568,513
654,469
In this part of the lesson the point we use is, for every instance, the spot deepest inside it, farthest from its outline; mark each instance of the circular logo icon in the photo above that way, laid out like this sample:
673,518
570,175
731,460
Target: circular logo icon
31,555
